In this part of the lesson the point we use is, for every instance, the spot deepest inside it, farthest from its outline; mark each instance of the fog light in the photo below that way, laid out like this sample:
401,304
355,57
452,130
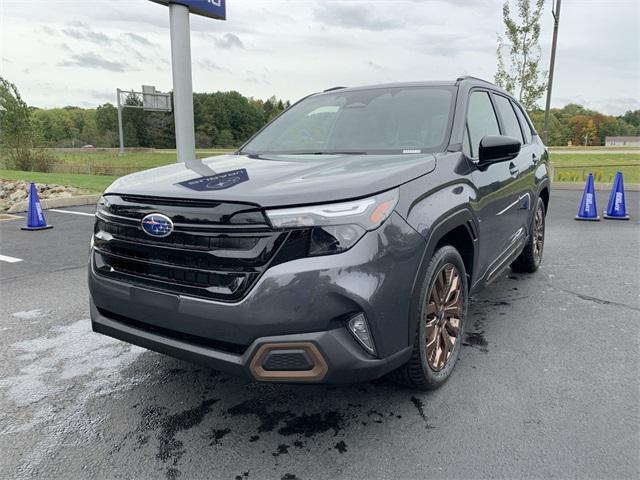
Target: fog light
359,328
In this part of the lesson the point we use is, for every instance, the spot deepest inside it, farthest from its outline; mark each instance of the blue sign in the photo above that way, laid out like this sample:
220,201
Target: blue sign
207,8
219,181
157,225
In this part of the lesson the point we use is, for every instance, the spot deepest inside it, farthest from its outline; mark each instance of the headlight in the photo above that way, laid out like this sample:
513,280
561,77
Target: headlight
336,227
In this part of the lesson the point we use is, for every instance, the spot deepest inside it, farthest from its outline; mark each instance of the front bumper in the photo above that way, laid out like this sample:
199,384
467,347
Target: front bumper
346,361
305,301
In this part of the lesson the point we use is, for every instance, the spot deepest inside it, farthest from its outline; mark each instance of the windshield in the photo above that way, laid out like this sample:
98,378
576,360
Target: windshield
378,120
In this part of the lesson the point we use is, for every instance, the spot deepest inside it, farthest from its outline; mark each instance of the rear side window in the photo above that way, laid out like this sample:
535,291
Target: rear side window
526,128
508,116
481,121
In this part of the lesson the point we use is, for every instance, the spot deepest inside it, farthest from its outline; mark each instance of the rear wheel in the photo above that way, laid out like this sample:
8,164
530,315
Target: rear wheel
531,257
443,308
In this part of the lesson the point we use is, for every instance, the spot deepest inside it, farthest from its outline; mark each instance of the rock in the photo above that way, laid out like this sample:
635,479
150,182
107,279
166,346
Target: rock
14,193
17,196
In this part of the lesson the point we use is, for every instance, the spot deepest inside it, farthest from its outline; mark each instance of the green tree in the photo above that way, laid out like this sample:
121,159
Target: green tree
632,117
559,133
522,77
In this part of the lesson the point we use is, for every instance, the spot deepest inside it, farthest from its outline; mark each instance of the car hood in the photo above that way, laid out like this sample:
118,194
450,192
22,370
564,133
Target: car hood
277,180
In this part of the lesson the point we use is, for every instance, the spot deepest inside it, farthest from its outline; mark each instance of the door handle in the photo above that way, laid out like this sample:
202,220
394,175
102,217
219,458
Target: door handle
513,169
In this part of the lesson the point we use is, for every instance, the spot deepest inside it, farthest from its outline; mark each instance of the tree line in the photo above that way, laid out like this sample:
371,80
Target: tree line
222,119
579,126
227,119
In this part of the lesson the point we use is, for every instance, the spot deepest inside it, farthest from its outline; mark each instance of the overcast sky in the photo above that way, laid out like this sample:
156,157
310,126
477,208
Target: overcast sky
63,52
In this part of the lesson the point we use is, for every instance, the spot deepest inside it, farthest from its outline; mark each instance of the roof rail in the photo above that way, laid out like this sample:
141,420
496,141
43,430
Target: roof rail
470,77
332,89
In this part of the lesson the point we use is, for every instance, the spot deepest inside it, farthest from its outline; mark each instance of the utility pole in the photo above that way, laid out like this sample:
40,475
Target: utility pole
556,21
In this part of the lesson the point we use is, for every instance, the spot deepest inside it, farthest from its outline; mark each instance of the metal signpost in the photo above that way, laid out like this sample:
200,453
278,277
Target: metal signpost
149,99
181,66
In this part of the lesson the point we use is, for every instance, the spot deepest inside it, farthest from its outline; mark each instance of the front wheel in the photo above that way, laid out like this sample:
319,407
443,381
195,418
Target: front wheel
529,260
443,308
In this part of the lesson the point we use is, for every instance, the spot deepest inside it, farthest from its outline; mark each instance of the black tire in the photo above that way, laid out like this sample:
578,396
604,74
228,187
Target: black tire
418,372
529,260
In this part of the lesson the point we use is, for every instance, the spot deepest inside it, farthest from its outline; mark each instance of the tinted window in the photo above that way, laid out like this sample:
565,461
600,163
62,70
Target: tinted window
508,116
526,129
384,120
481,120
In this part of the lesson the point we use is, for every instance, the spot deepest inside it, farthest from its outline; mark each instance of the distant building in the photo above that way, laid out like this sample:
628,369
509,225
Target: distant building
622,141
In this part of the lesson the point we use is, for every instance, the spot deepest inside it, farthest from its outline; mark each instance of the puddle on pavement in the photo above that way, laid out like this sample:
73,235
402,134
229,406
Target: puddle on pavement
275,422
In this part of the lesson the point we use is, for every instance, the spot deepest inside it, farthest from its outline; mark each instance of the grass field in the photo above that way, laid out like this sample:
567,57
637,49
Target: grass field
107,165
575,167
88,183
103,161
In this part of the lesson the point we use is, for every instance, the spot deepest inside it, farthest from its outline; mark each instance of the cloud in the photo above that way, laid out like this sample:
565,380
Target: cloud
228,40
449,45
138,39
210,66
375,65
95,61
353,16
85,33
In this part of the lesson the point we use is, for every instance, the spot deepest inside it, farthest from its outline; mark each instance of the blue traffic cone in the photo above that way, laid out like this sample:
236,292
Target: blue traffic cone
35,216
616,210
588,209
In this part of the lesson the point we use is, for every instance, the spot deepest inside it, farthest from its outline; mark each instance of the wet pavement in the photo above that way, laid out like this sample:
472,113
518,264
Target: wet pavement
547,384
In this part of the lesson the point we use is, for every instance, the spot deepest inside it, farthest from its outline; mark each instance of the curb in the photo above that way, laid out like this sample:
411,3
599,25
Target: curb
634,187
56,202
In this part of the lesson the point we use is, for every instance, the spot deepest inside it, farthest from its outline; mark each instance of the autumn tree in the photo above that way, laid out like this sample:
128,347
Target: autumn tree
519,74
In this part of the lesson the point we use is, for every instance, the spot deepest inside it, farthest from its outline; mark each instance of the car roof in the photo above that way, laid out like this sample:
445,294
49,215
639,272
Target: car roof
467,81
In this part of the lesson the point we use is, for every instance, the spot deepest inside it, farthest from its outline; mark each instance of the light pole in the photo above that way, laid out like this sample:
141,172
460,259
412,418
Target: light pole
120,134
556,22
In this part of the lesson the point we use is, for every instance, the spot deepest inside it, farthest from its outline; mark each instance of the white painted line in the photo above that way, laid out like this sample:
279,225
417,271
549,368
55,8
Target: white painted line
70,211
4,258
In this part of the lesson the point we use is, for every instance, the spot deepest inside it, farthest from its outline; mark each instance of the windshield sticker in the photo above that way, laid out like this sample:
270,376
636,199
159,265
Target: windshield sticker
219,181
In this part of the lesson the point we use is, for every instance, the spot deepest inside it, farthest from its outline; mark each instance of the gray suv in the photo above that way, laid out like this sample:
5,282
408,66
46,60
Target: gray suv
339,244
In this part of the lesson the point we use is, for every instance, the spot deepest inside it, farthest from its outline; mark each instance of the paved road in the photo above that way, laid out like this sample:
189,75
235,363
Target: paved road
547,384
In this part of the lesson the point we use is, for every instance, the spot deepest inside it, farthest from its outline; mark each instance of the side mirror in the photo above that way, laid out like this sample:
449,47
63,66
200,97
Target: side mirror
498,148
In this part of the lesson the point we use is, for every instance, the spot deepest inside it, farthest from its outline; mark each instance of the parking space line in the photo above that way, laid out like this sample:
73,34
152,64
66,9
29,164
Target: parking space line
5,258
71,211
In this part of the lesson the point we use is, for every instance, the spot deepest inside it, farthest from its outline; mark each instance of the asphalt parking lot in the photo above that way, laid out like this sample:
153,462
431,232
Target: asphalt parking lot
547,384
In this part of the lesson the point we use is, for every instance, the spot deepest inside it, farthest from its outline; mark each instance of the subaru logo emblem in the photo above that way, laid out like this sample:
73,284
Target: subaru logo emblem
157,225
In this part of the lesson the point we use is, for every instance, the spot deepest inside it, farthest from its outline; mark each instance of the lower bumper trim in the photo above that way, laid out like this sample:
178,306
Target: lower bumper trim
337,358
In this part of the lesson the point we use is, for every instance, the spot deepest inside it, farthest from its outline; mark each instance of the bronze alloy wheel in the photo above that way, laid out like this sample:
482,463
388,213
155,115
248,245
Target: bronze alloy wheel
444,311
538,233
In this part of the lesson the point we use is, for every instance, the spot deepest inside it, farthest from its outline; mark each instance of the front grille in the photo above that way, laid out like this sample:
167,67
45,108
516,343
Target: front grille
217,250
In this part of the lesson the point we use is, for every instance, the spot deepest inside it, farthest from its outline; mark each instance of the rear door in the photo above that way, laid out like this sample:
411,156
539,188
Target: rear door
523,164
494,183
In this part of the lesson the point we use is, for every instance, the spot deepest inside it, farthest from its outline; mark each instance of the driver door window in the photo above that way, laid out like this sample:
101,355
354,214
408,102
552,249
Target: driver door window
481,121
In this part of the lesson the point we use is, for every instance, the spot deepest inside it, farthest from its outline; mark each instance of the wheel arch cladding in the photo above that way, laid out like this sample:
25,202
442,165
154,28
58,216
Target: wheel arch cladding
544,195
457,229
